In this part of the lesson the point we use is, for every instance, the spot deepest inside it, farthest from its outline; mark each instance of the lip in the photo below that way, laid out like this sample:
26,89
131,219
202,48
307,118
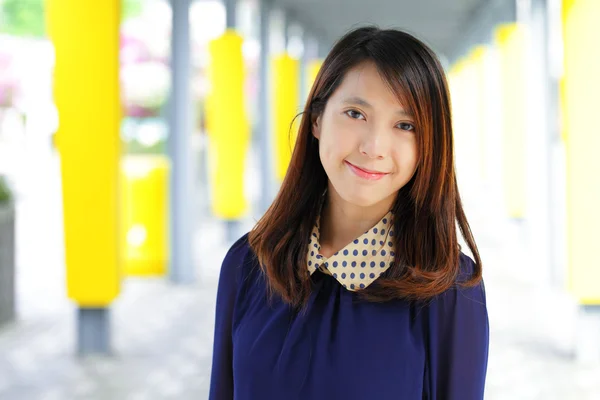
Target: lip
365,173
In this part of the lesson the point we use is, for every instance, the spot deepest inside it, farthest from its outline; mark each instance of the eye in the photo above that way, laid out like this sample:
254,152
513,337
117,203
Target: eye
354,114
406,126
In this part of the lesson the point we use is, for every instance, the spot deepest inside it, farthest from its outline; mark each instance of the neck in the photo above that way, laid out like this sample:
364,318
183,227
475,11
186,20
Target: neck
342,222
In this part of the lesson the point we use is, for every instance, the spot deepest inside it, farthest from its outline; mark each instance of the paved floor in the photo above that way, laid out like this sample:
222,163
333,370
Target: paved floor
162,334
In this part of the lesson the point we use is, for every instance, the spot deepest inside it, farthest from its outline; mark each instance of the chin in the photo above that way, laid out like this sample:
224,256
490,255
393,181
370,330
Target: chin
361,199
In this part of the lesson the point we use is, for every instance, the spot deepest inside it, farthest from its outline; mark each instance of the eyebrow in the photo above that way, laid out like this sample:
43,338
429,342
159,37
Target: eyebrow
356,100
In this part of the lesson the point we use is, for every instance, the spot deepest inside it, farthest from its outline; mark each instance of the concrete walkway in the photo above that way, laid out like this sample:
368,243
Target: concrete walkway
162,334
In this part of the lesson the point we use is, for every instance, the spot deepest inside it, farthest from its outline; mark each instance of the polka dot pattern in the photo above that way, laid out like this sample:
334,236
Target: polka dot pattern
373,248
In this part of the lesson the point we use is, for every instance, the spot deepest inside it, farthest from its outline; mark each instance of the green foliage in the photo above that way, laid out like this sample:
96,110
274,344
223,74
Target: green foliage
131,8
5,193
22,17
26,17
135,147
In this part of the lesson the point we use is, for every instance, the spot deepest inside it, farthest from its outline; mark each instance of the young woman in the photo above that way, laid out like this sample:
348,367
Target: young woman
353,284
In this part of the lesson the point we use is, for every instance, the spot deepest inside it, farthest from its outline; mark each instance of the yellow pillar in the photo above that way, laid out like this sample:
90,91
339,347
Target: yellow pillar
579,106
144,195
466,86
86,88
510,40
458,79
285,102
227,126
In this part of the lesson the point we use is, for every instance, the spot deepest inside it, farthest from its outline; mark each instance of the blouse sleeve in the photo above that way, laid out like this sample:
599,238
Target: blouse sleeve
221,382
458,342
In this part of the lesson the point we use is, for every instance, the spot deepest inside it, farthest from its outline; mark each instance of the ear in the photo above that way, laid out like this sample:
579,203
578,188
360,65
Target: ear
316,127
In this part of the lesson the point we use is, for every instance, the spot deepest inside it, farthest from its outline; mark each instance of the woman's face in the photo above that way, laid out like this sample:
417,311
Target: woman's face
367,141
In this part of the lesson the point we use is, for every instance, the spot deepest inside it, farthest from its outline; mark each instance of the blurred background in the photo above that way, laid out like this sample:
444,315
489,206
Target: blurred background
139,138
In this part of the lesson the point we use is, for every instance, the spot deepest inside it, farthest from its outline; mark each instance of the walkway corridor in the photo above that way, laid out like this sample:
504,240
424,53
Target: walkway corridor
162,334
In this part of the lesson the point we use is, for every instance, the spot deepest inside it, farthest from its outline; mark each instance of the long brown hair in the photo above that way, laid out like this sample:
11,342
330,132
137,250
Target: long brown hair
427,209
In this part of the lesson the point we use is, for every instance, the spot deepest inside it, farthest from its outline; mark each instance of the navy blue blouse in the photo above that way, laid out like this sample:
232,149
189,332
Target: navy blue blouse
341,347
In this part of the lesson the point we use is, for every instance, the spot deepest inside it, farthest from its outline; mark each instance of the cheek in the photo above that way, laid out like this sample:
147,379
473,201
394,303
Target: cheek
407,156
335,144
329,154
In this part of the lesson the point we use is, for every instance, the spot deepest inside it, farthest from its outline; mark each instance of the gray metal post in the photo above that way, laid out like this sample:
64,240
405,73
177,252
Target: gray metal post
287,23
181,220
266,168
304,60
537,142
587,343
7,262
311,52
552,64
93,331
554,210
230,9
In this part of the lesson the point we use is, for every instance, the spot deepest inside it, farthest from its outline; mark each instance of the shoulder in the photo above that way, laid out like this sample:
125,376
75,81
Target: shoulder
238,251
460,294
466,268
234,261
240,276
457,337
461,307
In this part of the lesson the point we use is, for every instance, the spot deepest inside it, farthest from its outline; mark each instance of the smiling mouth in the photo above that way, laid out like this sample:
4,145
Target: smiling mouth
365,173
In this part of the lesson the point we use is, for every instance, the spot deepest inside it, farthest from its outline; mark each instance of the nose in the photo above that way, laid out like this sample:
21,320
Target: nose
375,144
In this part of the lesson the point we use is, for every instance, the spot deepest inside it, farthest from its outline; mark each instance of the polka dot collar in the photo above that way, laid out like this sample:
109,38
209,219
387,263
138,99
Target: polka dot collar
362,261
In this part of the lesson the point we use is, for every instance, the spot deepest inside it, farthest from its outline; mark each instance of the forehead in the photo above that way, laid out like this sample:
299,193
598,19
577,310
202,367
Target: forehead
365,81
